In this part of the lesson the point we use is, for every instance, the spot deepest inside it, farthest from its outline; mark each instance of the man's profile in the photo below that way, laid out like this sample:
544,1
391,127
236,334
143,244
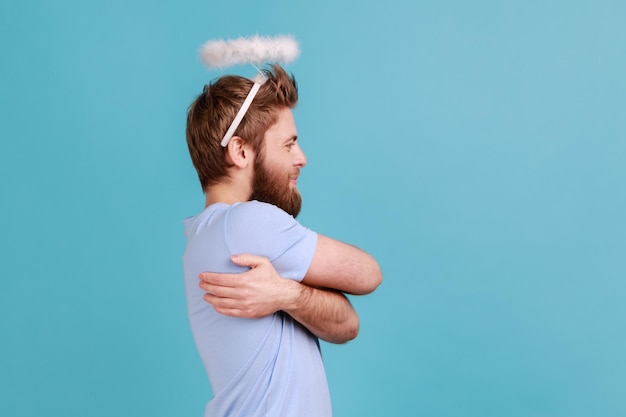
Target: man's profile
261,288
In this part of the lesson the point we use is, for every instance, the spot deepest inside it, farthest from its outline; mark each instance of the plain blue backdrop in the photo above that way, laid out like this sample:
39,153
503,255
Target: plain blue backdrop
476,149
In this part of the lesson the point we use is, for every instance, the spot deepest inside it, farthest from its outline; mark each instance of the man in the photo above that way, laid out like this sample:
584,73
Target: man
257,331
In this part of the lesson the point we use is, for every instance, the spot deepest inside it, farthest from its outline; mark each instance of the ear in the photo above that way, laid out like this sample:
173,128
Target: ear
239,152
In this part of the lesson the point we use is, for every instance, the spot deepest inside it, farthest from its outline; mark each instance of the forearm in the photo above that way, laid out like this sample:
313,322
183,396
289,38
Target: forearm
328,314
259,292
343,267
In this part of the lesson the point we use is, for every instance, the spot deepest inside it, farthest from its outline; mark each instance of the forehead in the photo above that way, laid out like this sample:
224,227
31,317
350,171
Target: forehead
283,129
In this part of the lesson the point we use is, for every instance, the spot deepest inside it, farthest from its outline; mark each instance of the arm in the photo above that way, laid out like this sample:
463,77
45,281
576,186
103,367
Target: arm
261,291
327,314
279,237
343,267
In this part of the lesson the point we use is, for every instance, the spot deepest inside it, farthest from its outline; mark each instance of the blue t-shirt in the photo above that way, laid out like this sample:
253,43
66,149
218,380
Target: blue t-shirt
271,366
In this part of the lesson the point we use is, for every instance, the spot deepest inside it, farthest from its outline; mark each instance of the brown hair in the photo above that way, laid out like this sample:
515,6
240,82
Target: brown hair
211,114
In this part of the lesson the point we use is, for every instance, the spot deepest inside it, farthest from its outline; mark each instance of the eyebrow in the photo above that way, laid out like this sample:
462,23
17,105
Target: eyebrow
293,138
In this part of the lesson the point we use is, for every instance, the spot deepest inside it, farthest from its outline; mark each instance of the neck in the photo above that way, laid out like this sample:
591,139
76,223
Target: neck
227,193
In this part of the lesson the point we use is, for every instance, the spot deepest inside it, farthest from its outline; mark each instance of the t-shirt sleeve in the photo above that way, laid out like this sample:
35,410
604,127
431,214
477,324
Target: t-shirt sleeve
265,230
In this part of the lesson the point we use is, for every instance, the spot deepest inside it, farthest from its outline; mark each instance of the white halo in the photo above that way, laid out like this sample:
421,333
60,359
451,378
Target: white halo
253,50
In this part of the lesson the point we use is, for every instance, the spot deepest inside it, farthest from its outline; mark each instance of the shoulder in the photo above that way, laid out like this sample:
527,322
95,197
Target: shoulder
258,215
203,220
251,207
264,229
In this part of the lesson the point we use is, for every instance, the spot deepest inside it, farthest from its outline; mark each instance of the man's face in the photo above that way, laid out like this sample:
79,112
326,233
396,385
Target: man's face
277,166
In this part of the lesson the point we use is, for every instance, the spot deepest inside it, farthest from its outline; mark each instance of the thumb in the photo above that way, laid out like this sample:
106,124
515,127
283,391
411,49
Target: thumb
249,260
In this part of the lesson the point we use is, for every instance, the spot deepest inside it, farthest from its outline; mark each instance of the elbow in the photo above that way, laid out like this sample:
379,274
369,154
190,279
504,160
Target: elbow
377,279
351,331
372,279
354,330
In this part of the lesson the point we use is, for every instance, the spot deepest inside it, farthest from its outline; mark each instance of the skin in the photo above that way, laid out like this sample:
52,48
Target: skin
262,291
317,302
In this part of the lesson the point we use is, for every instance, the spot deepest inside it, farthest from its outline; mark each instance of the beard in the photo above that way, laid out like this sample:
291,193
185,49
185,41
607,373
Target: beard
272,187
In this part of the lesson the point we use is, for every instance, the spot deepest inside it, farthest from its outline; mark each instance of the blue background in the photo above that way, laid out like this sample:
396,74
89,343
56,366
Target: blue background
476,149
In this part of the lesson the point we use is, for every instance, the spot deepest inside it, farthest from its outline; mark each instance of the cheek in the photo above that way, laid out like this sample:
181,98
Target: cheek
281,161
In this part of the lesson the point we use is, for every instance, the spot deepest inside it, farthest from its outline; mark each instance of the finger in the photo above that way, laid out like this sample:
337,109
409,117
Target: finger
224,280
219,291
235,311
232,312
220,303
249,260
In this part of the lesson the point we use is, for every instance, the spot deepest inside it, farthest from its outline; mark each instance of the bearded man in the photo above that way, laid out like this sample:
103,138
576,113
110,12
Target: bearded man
257,331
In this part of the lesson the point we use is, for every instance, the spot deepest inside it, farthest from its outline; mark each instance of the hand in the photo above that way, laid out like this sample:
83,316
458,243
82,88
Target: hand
256,293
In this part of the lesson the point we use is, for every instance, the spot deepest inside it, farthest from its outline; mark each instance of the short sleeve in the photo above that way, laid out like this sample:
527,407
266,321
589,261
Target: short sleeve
265,230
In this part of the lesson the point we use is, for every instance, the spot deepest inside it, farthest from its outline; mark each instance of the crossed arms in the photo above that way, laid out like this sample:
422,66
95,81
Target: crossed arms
317,302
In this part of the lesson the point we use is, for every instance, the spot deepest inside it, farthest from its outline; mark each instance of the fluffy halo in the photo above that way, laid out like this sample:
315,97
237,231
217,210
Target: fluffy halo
256,50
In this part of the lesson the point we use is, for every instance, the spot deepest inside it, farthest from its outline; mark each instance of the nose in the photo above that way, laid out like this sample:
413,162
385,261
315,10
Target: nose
299,157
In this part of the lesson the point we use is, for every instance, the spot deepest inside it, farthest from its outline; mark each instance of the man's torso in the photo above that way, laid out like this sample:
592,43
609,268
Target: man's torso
270,366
